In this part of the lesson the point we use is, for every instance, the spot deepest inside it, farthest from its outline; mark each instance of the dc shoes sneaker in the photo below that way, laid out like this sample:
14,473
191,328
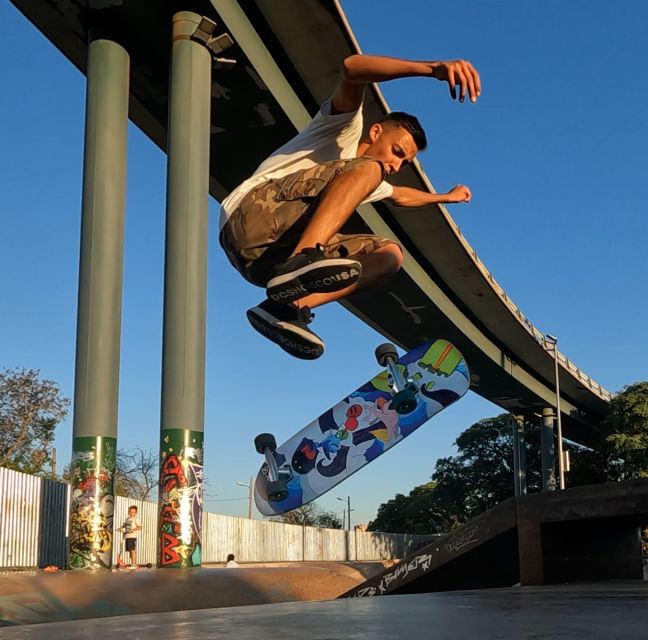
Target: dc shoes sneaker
311,272
286,326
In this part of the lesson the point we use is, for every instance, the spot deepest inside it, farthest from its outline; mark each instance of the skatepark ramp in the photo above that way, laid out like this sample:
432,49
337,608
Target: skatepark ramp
581,534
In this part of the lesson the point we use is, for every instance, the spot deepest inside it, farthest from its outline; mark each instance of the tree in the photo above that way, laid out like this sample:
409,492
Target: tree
30,410
310,515
625,432
136,474
481,474
477,478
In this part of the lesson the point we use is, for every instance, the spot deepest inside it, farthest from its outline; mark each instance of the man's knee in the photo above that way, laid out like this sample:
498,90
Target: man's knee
365,174
393,257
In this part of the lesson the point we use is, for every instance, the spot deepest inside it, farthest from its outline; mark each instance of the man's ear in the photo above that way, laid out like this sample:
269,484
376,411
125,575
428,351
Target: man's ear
374,131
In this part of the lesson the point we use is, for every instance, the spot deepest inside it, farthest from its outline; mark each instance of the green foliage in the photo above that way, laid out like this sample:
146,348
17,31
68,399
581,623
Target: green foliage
30,410
625,431
481,474
310,515
477,478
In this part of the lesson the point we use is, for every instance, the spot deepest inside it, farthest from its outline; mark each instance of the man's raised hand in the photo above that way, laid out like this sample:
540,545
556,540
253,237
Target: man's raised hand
460,193
458,73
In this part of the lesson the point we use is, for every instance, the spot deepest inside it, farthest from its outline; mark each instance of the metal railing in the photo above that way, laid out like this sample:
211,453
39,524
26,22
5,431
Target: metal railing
537,335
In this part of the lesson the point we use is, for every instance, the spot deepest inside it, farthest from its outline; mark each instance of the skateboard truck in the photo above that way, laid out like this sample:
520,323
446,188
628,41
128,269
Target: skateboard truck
403,391
266,444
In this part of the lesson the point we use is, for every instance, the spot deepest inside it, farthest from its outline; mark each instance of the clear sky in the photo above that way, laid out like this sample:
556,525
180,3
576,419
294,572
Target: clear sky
554,152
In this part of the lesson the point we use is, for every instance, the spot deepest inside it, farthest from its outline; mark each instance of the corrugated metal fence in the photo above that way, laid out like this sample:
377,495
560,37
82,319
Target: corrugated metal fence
32,520
33,532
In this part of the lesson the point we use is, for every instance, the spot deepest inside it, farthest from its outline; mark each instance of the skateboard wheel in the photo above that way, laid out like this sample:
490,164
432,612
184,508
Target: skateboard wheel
386,352
277,491
404,402
265,441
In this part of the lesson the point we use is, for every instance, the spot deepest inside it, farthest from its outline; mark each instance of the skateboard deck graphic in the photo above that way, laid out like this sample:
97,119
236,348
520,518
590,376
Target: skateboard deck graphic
361,427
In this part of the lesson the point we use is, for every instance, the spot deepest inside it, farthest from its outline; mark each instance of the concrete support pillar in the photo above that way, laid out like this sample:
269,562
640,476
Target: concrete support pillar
185,285
548,460
96,386
519,457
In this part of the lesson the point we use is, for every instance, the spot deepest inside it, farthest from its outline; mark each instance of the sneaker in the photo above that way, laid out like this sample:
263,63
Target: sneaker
311,272
285,325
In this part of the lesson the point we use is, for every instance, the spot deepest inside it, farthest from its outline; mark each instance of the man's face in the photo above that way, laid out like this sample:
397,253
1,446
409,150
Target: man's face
392,145
132,513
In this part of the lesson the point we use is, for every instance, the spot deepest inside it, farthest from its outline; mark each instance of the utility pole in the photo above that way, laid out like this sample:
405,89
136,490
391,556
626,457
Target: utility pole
348,510
552,340
250,488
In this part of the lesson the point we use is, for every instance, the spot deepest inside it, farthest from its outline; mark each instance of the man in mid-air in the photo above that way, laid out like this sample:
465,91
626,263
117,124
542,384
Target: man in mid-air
280,227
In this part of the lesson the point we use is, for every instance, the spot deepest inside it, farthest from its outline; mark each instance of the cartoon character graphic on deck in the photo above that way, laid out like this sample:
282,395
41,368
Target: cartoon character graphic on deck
365,430
365,424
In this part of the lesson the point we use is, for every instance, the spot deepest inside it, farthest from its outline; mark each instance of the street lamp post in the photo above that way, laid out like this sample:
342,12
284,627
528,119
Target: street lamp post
552,340
348,501
249,487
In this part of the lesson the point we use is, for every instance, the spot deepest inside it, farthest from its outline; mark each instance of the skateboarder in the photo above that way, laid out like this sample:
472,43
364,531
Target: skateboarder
281,227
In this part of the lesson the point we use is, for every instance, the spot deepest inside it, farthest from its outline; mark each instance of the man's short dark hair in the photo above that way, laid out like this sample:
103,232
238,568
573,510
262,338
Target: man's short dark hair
411,124
132,507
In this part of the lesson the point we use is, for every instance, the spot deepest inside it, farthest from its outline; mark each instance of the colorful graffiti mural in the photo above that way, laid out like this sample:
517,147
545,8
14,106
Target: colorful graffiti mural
92,502
181,485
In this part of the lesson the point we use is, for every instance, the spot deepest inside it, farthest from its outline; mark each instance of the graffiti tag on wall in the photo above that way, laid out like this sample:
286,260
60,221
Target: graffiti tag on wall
181,482
92,503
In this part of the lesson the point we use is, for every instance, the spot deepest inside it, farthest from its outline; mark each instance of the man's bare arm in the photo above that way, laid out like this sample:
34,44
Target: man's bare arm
360,70
410,197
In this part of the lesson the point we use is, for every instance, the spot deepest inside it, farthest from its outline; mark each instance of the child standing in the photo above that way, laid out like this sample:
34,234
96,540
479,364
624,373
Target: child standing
130,528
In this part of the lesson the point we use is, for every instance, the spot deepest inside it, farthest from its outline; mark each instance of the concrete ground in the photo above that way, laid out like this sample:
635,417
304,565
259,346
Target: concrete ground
37,597
604,611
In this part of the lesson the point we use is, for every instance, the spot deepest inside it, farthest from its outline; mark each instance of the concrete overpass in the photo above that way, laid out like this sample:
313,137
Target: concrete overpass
288,56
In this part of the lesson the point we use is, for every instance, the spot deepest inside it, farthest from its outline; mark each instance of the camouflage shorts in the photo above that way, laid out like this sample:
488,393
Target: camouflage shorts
270,220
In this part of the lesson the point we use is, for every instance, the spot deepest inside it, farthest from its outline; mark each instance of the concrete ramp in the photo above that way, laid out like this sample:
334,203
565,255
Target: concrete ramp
581,534
73,595
482,553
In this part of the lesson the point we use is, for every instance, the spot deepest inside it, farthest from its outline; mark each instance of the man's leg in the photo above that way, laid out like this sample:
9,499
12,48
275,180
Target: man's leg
286,324
338,201
377,268
308,270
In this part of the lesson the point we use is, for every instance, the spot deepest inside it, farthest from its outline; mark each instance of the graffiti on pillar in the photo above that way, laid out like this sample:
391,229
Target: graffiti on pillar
92,502
181,483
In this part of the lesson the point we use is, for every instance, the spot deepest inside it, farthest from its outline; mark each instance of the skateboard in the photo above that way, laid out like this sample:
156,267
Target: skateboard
122,565
354,432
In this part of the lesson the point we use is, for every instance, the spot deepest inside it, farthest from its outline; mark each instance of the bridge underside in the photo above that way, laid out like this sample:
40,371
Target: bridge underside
249,121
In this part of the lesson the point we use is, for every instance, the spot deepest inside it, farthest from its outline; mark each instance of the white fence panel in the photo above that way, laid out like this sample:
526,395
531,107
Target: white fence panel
20,509
250,540
147,514
33,517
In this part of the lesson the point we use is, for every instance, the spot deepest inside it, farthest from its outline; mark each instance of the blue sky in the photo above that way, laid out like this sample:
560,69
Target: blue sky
555,155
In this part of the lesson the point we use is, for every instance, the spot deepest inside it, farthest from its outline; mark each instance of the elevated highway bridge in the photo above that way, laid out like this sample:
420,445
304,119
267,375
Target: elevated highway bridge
288,55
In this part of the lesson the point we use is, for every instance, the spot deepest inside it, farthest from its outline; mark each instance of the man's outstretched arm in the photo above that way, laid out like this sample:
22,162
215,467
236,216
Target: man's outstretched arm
410,197
360,70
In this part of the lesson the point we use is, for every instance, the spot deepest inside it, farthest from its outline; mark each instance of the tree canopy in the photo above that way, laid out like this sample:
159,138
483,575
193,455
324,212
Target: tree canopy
477,478
625,432
480,475
310,515
30,410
